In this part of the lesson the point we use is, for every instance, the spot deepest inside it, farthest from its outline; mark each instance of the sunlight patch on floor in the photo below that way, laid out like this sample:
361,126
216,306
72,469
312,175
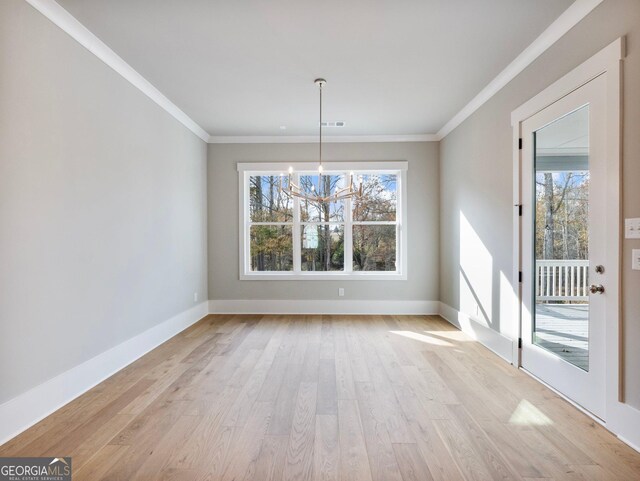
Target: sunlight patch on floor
456,335
422,338
526,414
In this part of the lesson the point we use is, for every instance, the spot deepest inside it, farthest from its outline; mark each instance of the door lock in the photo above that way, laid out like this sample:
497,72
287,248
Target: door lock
600,269
596,289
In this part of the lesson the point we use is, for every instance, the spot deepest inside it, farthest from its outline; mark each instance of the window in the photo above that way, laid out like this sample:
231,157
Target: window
285,237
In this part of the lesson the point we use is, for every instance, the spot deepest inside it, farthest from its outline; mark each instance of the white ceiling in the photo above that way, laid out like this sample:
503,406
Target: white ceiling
246,67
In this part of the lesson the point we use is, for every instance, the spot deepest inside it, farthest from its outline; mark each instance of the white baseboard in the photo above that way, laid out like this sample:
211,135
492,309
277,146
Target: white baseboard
625,424
332,306
497,342
28,408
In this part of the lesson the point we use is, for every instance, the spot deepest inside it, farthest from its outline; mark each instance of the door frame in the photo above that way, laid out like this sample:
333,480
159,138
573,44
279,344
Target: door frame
607,62
585,387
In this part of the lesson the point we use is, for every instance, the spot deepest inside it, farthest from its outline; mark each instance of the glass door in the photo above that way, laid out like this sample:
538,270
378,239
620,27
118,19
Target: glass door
563,293
561,237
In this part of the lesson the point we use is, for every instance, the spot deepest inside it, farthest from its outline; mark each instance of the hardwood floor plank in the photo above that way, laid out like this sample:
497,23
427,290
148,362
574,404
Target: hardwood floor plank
510,447
286,401
411,463
327,339
172,474
299,460
326,449
457,441
327,387
466,390
208,342
246,446
344,378
144,440
495,463
426,393
100,463
71,438
387,402
382,459
84,451
240,411
434,451
271,460
210,440
311,364
162,413
354,462
274,379
349,398
158,457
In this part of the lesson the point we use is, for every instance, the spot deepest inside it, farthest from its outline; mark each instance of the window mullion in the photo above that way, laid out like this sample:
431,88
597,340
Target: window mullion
297,231
348,234
246,226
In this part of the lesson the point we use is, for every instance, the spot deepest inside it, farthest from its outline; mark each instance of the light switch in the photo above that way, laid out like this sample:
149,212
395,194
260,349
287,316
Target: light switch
635,263
632,228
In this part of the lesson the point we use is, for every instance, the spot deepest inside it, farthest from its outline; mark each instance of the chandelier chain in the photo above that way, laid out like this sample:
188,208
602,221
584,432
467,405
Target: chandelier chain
319,195
320,147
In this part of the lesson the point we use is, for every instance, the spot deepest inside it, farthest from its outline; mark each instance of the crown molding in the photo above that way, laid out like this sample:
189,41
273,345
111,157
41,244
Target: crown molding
565,22
310,139
63,19
69,24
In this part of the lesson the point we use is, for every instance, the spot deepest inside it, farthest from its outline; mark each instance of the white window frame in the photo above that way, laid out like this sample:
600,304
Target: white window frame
246,170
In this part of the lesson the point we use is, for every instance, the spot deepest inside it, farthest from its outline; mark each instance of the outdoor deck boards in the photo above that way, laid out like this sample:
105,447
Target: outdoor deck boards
564,330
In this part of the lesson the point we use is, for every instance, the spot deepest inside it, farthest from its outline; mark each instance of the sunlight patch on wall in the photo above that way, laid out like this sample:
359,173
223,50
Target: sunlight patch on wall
508,302
476,275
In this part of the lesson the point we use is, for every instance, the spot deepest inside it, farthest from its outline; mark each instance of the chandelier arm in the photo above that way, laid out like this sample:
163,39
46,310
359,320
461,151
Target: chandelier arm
294,189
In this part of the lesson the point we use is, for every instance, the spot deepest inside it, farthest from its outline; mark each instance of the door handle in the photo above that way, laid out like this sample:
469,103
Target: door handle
596,289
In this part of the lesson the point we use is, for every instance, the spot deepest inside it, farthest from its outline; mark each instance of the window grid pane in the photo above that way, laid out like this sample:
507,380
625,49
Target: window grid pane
294,236
322,248
271,248
374,248
379,197
325,186
267,201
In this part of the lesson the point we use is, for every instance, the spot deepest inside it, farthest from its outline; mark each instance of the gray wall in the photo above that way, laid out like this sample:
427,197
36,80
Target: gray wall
423,208
102,205
476,177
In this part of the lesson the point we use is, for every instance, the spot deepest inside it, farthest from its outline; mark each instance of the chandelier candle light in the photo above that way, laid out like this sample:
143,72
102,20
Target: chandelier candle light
316,195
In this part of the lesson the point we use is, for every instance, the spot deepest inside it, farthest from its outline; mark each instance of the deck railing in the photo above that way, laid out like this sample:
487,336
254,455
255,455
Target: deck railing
562,280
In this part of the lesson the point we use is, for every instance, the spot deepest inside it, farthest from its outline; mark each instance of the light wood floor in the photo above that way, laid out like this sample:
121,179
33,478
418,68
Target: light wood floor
379,398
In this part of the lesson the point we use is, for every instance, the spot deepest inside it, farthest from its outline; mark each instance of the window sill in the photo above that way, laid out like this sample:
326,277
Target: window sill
323,276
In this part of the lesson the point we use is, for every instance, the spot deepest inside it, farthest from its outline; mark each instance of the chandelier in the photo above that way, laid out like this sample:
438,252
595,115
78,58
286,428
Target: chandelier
316,195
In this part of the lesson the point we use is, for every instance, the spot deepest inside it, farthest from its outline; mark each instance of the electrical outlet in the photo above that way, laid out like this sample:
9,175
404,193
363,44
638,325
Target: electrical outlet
632,228
341,291
635,262
195,297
